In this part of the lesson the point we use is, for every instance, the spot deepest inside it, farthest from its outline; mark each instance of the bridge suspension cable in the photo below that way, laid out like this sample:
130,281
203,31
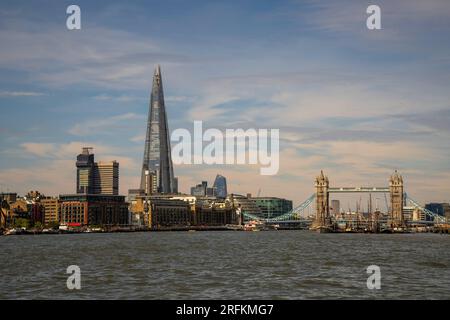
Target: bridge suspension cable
429,213
294,214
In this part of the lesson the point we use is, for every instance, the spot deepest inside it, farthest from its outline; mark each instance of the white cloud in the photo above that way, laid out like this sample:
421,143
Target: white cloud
20,94
104,125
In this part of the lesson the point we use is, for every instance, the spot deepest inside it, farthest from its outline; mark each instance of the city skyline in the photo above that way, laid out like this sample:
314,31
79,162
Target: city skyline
358,110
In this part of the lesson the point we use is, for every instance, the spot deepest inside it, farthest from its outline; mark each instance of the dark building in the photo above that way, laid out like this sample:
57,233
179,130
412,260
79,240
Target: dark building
93,209
170,212
200,189
220,185
96,178
157,152
442,209
246,205
85,172
214,214
8,197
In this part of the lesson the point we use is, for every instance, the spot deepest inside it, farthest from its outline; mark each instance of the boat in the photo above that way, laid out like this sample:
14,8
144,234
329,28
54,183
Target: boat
253,226
10,232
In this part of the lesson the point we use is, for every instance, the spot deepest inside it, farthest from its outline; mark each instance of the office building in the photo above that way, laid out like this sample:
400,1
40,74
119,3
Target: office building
200,189
335,208
157,151
50,209
272,207
245,204
220,186
170,212
214,213
442,209
93,210
106,178
96,178
85,172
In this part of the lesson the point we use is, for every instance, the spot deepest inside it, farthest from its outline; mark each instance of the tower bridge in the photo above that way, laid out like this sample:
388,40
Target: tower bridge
319,203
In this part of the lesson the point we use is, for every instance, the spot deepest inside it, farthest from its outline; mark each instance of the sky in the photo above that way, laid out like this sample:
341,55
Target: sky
354,102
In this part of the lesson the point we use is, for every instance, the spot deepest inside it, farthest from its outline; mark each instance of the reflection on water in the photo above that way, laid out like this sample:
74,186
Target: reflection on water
225,265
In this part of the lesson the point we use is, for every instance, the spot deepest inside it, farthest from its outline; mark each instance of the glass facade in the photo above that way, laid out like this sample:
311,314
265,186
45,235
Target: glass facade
220,185
157,151
273,207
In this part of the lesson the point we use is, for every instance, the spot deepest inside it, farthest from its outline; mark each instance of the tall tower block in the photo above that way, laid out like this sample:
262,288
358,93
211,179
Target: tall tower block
157,152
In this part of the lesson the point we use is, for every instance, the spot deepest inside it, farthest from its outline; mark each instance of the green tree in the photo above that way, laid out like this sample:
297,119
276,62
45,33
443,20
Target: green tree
53,225
22,223
38,225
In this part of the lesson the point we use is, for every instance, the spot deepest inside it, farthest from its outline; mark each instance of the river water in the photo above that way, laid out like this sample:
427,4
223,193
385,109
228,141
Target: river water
225,265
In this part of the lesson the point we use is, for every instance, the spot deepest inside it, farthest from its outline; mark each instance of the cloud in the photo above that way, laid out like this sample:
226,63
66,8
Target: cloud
104,125
56,173
120,98
39,149
138,138
178,99
20,94
58,58
63,150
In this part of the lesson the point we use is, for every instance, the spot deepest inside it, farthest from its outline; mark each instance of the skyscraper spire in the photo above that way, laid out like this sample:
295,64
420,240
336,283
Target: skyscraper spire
157,152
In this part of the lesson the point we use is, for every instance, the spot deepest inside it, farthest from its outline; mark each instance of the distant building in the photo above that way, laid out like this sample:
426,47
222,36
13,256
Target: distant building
182,211
96,178
24,208
272,207
442,209
85,172
220,185
245,204
335,208
200,189
106,178
8,197
208,213
50,209
170,212
93,209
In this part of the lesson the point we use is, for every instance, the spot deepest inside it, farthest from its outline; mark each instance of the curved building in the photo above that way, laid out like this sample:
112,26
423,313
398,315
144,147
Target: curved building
220,185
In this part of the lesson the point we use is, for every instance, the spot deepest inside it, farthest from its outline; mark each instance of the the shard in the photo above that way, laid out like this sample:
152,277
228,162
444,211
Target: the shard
157,153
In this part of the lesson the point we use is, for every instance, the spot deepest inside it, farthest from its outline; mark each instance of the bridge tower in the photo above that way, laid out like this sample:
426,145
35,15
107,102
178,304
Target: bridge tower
397,200
322,201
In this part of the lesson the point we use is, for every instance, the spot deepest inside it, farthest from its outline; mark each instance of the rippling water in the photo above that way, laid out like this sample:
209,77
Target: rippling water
225,265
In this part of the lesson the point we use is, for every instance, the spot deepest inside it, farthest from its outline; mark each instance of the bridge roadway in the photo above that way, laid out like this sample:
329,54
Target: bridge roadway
358,189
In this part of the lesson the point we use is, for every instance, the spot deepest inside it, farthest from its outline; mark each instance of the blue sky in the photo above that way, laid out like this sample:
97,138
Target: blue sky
354,102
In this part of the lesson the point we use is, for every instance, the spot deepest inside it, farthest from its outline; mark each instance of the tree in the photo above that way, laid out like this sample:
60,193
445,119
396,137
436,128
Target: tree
21,223
38,225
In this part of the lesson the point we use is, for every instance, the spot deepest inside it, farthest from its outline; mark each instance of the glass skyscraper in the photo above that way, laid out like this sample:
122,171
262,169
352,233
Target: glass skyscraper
220,185
157,152
96,178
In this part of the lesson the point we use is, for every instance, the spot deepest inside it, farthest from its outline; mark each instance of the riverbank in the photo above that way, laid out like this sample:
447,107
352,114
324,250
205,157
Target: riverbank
21,231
